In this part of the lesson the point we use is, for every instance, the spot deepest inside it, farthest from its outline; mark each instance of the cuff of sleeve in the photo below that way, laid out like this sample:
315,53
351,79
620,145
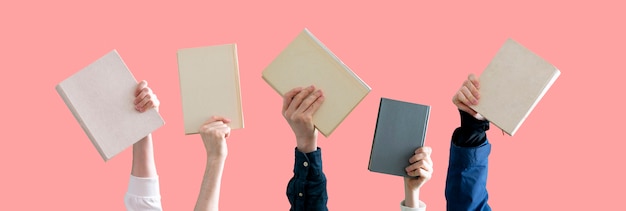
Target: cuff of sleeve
144,186
308,164
420,207
468,121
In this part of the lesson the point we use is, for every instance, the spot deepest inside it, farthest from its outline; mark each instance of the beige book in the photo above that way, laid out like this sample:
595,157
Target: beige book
209,85
512,85
306,61
100,96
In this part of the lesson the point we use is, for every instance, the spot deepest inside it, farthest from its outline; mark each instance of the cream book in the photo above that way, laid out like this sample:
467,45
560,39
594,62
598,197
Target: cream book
209,85
100,96
512,85
306,61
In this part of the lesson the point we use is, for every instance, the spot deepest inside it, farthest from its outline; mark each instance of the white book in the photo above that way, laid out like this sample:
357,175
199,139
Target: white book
306,61
100,96
209,85
512,85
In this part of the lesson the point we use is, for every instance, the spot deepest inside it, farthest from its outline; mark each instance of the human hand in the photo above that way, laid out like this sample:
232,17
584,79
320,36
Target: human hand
145,98
468,95
421,169
214,133
299,105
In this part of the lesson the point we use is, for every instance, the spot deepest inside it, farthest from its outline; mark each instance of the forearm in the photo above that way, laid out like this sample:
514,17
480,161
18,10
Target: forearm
143,158
411,197
209,196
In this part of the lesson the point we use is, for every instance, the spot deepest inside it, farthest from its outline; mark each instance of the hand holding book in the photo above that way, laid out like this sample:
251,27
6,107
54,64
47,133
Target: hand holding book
468,95
299,105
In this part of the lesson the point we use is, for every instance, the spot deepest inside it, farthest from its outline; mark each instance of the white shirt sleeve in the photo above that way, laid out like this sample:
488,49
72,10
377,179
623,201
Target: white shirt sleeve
421,207
143,194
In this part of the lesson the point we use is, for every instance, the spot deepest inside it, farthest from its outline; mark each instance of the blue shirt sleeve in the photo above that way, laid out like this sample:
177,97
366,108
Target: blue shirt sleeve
466,182
306,190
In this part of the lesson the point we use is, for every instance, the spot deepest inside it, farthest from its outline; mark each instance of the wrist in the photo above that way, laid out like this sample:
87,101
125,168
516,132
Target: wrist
411,196
306,147
217,154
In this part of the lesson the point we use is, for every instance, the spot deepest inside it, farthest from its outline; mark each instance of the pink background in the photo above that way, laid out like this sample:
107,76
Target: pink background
568,154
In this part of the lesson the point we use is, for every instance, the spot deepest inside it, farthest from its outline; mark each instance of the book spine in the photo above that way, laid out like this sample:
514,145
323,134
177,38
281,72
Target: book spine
237,84
337,60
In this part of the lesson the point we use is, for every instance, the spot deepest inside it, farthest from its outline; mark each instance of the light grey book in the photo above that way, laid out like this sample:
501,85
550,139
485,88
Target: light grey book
209,85
400,130
100,96
306,61
512,85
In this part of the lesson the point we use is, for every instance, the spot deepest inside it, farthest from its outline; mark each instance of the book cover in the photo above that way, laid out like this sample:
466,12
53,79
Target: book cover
209,85
400,130
512,84
306,61
100,96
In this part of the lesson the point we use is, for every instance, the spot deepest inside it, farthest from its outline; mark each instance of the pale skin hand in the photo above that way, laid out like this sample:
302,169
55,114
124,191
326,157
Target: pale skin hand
468,95
421,169
143,152
214,133
299,105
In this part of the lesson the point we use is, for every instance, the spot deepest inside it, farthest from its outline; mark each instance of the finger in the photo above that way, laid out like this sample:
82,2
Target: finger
460,99
142,94
421,153
217,118
414,166
297,100
148,105
417,157
316,105
142,84
425,175
417,173
468,95
470,86
474,80
210,125
288,97
308,101
419,165
424,149
426,165
144,101
226,131
221,129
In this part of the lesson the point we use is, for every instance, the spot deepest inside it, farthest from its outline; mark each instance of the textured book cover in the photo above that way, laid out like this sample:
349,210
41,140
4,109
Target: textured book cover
209,85
400,130
306,61
512,85
100,97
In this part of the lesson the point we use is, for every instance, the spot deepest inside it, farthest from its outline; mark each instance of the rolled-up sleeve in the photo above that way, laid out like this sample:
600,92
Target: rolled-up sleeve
306,190
143,194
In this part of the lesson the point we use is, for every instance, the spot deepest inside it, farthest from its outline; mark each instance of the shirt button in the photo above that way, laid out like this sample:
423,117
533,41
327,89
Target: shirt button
300,194
305,164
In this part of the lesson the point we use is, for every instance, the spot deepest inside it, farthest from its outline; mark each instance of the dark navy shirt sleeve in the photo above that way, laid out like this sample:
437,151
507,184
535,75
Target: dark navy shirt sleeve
466,182
306,190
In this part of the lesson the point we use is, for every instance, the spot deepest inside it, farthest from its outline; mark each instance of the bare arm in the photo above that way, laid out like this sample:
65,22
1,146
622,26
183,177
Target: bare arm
143,152
143,188
214,133
422,169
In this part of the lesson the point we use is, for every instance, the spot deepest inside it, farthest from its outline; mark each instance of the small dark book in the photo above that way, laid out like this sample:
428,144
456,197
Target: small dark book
400,130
